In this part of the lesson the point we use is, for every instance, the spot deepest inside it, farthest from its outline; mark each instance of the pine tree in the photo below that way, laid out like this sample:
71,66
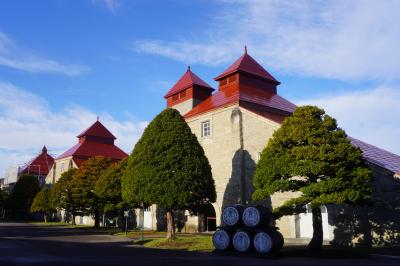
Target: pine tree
311,155
168,167
42,203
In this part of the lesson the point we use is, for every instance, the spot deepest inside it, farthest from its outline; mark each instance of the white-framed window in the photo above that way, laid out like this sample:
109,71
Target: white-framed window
206,128
62,168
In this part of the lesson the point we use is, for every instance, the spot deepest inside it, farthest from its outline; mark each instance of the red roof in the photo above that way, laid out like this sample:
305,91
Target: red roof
250,98
91,147
187,80
248,65
97,130
378,156
40,165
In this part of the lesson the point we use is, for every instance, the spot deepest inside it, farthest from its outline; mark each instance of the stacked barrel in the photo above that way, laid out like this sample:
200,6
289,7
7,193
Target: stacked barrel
247,228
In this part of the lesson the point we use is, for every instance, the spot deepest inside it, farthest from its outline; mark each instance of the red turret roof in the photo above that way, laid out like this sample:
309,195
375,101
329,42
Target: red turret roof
187,80
261,101
97,130
246,64
39,165
90,147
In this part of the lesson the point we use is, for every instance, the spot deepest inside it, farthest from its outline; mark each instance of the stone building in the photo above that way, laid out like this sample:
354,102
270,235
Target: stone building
233,125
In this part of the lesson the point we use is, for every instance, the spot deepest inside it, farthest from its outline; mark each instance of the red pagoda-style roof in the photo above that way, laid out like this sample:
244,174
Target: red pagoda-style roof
97,130
263,102
39,165
188,80
247,64
378,156
251,99
90,149
92,143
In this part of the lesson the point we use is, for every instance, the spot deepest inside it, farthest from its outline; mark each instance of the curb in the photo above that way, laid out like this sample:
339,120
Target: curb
382,256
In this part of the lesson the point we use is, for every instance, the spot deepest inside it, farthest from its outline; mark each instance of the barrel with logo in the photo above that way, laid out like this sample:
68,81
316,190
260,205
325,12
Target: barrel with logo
242,240
222,238
268,241
255,216
232,215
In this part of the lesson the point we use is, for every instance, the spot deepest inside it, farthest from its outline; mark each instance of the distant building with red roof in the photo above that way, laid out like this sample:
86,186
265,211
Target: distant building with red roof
234,124
40,165
96,140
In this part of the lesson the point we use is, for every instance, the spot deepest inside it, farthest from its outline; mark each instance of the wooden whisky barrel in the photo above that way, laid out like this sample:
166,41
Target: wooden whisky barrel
222,239
232,215
254,216
268,241
242,240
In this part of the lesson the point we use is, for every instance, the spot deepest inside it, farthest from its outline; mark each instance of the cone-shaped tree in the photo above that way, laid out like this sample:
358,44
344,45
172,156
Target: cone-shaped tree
168,167
42,203
310,154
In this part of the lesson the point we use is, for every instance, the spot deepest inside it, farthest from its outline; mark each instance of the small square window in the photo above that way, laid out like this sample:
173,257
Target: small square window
206,129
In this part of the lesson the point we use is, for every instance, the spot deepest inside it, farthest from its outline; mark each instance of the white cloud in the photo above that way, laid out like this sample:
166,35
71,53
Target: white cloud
369,115
15,57
333,39
111,5
27,122
186,51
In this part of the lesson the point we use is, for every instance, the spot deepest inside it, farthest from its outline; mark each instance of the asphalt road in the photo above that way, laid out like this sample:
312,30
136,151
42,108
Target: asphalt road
24,244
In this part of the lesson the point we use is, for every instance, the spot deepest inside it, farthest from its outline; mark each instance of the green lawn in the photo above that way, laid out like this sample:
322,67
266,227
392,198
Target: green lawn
190,243
57,224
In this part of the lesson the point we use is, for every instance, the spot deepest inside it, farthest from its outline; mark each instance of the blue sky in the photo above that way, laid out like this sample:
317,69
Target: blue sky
64,62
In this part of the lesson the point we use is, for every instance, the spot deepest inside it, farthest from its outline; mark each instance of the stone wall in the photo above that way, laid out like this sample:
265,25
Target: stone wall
374,225
237,138
60,166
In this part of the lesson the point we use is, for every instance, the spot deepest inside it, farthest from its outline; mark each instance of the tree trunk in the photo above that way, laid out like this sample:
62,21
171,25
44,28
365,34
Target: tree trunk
317,239
73,219
45,217
96,219
170,225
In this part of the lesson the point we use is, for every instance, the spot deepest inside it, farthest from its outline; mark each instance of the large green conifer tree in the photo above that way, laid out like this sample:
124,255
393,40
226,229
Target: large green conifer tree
168,167
310,154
